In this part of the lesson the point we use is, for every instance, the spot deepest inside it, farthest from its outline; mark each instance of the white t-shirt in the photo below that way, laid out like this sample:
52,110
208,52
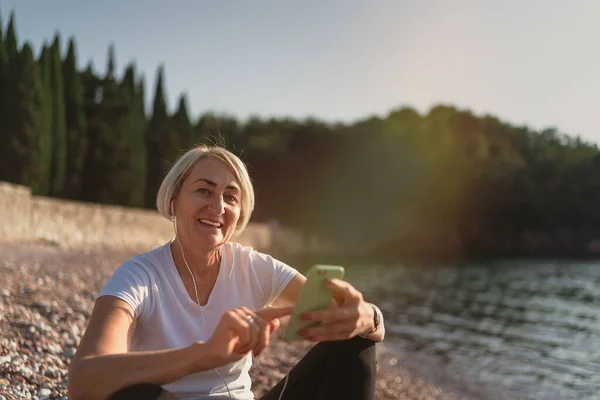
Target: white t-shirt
168,318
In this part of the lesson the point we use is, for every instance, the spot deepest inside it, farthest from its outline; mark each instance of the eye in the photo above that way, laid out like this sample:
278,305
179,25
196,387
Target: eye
231,198
203,191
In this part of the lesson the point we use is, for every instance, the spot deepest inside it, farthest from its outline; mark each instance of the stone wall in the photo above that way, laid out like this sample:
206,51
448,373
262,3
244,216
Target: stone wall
15,211
71,224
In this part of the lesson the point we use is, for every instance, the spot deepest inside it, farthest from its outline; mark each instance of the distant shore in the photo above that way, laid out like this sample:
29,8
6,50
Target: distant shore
435,256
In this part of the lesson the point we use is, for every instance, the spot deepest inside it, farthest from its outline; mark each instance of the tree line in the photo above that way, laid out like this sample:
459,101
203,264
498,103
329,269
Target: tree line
446,181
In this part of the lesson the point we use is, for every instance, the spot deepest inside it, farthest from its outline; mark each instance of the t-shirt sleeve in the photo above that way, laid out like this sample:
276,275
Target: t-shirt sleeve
131,283
274,275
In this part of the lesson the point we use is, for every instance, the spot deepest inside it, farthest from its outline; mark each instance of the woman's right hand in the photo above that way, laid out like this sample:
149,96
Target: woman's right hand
241,330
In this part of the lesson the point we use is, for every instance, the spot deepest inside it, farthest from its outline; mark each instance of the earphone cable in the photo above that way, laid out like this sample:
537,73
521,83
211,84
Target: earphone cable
198,300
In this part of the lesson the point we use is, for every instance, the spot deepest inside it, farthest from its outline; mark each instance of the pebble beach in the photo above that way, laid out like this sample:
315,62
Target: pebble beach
46,297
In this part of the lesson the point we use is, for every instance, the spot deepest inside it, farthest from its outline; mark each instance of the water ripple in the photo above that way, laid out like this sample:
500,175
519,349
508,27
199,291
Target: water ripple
527,329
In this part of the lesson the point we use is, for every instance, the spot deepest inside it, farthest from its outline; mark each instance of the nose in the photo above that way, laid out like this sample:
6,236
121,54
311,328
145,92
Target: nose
217,205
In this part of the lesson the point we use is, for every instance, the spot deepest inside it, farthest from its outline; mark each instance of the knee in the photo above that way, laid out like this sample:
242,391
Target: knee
365,349
356,343
143,391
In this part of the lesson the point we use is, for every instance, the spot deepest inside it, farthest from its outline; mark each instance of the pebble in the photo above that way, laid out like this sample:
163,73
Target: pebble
54,348
44,393
69,353
75,331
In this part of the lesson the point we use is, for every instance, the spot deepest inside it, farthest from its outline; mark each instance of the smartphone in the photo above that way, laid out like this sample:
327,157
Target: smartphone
313,296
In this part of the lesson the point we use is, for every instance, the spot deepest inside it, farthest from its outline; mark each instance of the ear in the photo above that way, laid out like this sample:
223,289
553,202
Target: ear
172,208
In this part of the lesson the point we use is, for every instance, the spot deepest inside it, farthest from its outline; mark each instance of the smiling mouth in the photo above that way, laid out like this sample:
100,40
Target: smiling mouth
210,223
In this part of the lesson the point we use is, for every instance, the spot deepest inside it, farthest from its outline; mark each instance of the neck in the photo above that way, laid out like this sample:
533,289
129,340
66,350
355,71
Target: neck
200,261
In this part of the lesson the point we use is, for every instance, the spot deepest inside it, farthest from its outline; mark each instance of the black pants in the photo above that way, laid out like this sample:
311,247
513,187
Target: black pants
330,370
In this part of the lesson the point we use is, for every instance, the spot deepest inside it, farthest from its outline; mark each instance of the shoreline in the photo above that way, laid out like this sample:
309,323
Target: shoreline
46,301
305,261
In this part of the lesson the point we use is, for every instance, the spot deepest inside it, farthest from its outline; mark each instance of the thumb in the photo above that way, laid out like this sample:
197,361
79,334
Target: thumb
271,313
274,324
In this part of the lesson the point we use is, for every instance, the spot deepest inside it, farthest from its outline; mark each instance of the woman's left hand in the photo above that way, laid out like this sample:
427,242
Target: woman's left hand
351,315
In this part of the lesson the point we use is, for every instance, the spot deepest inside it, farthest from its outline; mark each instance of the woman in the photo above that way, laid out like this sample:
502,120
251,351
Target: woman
182,321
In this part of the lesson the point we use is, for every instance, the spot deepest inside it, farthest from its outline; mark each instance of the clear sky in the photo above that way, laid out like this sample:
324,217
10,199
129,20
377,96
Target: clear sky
533,62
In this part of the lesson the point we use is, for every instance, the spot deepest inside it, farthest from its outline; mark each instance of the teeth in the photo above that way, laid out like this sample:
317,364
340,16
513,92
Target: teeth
208,222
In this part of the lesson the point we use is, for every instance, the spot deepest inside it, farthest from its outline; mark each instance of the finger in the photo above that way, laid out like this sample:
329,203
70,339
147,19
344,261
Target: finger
239,326
331,315
257,325
334,331
268,319
274,324
261,332
252,327
329,332
343,291
264,338
270,313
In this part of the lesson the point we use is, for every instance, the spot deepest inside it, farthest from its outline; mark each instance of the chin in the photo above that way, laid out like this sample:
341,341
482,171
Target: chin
211,241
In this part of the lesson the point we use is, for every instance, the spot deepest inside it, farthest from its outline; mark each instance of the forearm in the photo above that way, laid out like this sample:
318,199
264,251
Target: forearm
96,377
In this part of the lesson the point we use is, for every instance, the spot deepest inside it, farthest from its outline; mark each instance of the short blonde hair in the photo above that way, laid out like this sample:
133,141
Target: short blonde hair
169,188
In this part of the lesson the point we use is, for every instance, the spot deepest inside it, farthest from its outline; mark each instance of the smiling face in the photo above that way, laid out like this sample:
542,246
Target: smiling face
207,206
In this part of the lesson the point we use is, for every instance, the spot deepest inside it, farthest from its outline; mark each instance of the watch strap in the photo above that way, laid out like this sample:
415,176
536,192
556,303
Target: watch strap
376,321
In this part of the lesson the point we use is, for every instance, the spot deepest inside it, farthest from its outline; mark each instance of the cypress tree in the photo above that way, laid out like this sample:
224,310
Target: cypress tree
116,161
11,71
140,103
182,131
46,142
12,49
3,66
9,65
133,135
46,72
108,172
29,128
110,73
155,142
139,142
3,54
59,132
75,124
4,137
92,97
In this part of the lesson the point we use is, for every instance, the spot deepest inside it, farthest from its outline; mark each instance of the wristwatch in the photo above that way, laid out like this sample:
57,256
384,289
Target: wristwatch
376,321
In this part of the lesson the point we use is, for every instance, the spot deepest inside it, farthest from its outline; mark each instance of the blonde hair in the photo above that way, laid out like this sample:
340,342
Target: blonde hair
172,182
